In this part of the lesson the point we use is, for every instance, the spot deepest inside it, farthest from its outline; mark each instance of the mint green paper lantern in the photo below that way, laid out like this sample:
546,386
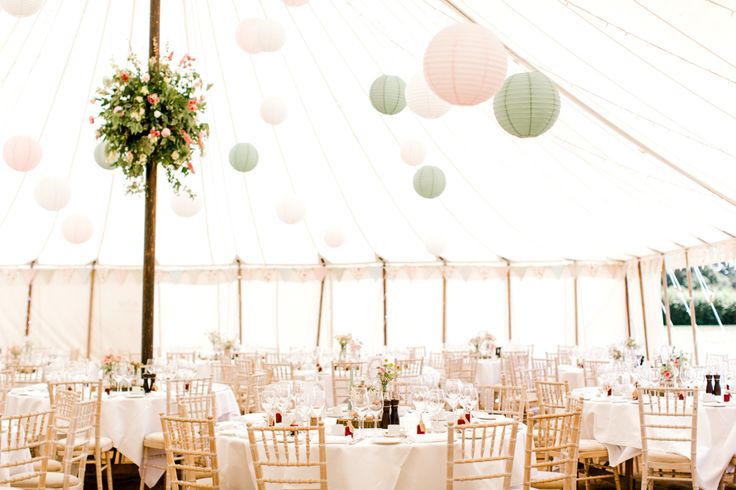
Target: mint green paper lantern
388,94
429,181
527,104
243,157
104,157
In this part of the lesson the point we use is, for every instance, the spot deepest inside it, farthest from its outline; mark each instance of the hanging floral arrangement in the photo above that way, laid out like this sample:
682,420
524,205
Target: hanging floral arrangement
155,115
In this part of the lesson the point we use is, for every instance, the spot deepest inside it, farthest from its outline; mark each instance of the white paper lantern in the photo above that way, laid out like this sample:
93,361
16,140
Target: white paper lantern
246,35
290,209
413,152
436,244
334,236
185,206
273,110
76,228
22,152
104,157
422,101
295,3
21,8
465,64
271,35
52,192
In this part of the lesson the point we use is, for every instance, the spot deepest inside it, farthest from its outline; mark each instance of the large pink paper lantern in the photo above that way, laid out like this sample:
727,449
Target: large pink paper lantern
22,152
295,3
76,228
21,8
465,64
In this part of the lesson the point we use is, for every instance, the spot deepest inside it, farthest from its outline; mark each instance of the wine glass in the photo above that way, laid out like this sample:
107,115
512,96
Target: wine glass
435,402
453,392
317,400
361,404
376,404
469,397
419,398
268,401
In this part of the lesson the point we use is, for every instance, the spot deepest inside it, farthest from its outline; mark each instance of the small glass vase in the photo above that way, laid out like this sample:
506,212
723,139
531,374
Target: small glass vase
343,353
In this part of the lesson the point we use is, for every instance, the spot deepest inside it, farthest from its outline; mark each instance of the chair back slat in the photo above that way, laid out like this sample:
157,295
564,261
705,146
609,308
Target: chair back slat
509,401
191,453
26,441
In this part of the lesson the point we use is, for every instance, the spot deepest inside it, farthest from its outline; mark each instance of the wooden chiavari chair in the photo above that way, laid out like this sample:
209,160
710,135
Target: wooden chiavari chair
191,453
74,427
490,445
245,365
188,356
453,367
246,391
281,371
715,359
732,464
197,406
274,358
509,401
552,396
469,368
436,361
417,352
592,370
552,451
224,372
32,433
7,381
100,446
275,451
668,416
28,374
546,368
410,368
565,354
343,372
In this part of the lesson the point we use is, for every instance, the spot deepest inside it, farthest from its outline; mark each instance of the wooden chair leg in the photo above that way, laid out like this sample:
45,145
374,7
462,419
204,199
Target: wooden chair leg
98,468
616,478
143,469
108,460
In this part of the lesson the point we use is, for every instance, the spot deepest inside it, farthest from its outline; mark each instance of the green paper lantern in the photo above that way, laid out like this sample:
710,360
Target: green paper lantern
104,157
243,157
429,182
527,104
388,94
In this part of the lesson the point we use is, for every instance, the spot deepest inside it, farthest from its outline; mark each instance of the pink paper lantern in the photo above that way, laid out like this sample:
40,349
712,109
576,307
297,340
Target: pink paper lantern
295,3
246,36
76,228
465,64
22,152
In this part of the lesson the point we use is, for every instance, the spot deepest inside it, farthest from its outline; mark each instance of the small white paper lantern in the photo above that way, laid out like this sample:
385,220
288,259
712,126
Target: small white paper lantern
429,182
290,209
185,206
21,8
295,3
104,157
413,152
273,110
76,228
422,101
243,157
436,244
22,152
246,35
334,236
52,192
271,35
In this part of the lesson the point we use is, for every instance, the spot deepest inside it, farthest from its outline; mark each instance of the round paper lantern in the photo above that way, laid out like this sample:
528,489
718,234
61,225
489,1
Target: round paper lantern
413,152
388,95
52,193
527,105
273,110
21,8
423,101
429,182
271,35
436,244
465,64
104,157
246,35
76,228
290,209
22,152
334,236
243,157
185,206
295,3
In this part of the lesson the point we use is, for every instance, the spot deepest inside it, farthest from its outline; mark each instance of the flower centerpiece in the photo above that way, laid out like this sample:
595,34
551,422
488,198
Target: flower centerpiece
672,366
153,115
631,344
108,365
220,344
616,353
343,341
387,372
15,351
483,342
355,347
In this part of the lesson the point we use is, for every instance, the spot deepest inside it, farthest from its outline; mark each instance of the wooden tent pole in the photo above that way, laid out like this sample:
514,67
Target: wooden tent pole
240,300
628,310
90,313
29,299
643,308
667,315
693,322
444,301
508,299
575,304
149,236
385,309
321,301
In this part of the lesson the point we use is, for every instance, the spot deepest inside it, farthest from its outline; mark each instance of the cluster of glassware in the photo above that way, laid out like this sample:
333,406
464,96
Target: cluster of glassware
288,402
432,401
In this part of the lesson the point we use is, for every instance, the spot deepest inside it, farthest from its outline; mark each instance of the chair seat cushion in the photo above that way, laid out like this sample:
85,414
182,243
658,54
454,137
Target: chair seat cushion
154,440
664,457
105,444
545,475
52,465
590,446
53,480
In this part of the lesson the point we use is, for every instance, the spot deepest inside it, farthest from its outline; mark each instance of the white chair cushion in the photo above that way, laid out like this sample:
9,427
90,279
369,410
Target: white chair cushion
664,457
543,475
589,446
53,480
154,440
52,465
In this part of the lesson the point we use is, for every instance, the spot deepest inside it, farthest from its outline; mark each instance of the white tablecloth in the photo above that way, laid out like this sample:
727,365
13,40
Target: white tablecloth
365,465
574,376
125,420
488,372
616,425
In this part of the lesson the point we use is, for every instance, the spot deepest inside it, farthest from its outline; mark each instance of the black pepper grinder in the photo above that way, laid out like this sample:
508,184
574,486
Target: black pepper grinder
394,412
709,384
386,417
717,385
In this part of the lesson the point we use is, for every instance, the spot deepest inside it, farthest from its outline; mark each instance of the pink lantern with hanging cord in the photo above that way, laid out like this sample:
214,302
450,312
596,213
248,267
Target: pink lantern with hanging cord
22,152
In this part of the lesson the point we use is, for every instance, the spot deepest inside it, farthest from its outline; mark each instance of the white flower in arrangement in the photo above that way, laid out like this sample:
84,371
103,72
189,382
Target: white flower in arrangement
144,90
157,114
117,109
166,132
129,156
146,77
175,155
106,82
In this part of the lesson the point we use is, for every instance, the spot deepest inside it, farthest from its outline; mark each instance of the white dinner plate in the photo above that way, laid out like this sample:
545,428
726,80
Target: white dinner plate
714,404
486,416
386,441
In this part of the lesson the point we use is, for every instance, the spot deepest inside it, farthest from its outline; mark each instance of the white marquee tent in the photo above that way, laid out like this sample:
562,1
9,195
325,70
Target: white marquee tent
558,239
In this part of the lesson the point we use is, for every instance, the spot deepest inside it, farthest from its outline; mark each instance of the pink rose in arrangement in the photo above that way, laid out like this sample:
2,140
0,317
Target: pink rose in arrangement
124,76
667,375
192,105
153,134
91,120
186,137
200,141
146,77
166,132
153,99
190,167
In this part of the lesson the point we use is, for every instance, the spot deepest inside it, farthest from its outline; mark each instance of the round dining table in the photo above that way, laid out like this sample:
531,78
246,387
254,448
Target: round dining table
411,462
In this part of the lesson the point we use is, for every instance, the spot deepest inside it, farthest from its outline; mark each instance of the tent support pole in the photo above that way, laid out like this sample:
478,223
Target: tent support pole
29,299
385,310
643,308
90,314
667,316
508,299
628,310
693,322
444,301
321,302
240,300
149,230
575,303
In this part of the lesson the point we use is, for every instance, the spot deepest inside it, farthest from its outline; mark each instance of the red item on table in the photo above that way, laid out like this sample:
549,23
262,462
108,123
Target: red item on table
680,396
349,429
421,428
461,421
467,416
609,392
278,417
727,397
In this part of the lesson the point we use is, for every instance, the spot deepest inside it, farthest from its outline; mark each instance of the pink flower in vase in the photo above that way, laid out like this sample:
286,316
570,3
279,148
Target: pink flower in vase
192,105
190,167
166,132
153,99
146,77
186,137
91,120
